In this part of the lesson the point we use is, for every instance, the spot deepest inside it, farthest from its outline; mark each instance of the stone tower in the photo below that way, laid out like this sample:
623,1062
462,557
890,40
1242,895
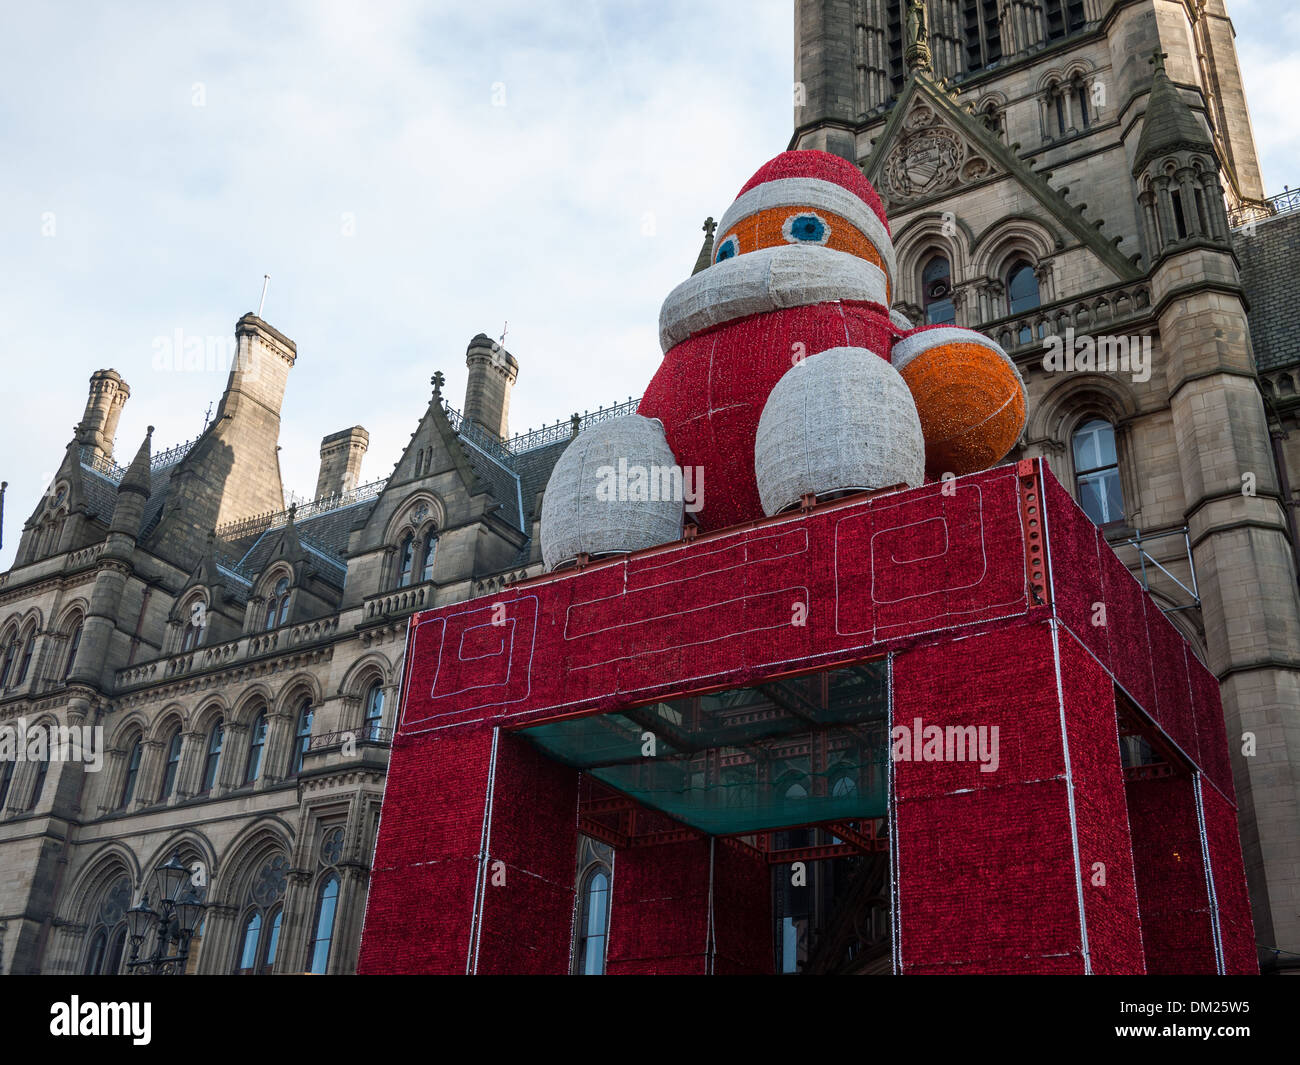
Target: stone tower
1070,177
98,425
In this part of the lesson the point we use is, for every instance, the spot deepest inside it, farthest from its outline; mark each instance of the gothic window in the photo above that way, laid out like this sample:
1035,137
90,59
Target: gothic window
302,737
6,779
1096,472
593,923
216,740
992,118
426,556
256,745
331,846
108,938
1081,103
405,557
29,646
897,70
132,772
1059,102
173,766
260,934
982,34
1180,224
258,943
936,292
73,644
374,718
277,604
98,948
1022,293
10,653
1063,17
42,769
327,898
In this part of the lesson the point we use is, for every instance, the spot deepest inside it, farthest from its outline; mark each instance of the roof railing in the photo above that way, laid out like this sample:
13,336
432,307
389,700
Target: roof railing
1285,202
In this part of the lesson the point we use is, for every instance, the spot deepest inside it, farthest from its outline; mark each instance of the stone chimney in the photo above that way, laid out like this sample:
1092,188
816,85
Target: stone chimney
108,395
492,373
244,465
340,461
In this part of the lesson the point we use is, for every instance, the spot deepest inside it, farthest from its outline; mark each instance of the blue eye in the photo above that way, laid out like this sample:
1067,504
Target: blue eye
806,228
728,249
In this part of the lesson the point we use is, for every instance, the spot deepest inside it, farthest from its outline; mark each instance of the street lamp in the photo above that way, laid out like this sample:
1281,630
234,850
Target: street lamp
178,914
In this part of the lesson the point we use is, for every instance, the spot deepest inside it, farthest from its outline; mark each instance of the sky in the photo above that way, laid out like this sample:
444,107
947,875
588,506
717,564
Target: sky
410,175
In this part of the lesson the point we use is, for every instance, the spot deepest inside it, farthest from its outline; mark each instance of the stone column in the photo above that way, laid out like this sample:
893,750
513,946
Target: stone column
1244,565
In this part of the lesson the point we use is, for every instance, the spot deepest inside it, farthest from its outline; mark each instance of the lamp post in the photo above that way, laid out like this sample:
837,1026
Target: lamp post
172,924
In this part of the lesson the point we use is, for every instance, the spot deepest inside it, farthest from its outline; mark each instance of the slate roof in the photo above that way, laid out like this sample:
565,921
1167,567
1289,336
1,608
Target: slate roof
513,479
101,494
1269,254
502,482
1168,125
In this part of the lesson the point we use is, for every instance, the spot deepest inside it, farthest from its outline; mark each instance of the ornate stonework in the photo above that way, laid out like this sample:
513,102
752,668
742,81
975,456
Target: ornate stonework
929,158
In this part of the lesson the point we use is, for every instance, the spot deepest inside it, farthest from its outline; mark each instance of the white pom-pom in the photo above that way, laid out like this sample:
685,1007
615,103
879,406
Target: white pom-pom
616,488
839,421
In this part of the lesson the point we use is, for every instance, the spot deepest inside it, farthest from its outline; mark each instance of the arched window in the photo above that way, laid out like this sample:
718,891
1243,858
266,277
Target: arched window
116,948
1096,472
11,652
98,948
132,772
1081,102
426,556
260,935
1022,293
108,935
73,643
936,292
195,619
406,555
6,780
593,923
327,899
1058,96
277,604
42,769
259,942
28,647
374,718
302,737
173,765
216,740
256,745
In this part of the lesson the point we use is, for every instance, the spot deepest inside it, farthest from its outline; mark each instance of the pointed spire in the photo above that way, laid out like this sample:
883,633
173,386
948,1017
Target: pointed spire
1169,124
705,257
137,477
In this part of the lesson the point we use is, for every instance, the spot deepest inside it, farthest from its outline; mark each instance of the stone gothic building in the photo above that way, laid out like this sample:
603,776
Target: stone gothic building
243,661
1076,178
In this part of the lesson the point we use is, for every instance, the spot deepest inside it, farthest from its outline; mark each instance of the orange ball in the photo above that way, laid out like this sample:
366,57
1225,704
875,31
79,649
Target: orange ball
969,396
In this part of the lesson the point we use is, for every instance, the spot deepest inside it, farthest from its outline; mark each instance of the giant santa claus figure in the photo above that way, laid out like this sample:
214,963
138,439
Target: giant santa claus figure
785,375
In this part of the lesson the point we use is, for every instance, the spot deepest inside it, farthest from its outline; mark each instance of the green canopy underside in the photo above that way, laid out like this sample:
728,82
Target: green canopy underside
789,752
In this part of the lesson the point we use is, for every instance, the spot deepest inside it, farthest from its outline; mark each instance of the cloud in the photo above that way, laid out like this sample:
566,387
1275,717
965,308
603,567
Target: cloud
409,177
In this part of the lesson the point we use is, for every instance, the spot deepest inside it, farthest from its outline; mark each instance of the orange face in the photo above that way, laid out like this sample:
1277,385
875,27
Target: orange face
778,226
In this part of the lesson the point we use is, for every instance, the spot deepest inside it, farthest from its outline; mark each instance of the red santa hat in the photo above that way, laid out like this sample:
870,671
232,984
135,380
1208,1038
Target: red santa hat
816,179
